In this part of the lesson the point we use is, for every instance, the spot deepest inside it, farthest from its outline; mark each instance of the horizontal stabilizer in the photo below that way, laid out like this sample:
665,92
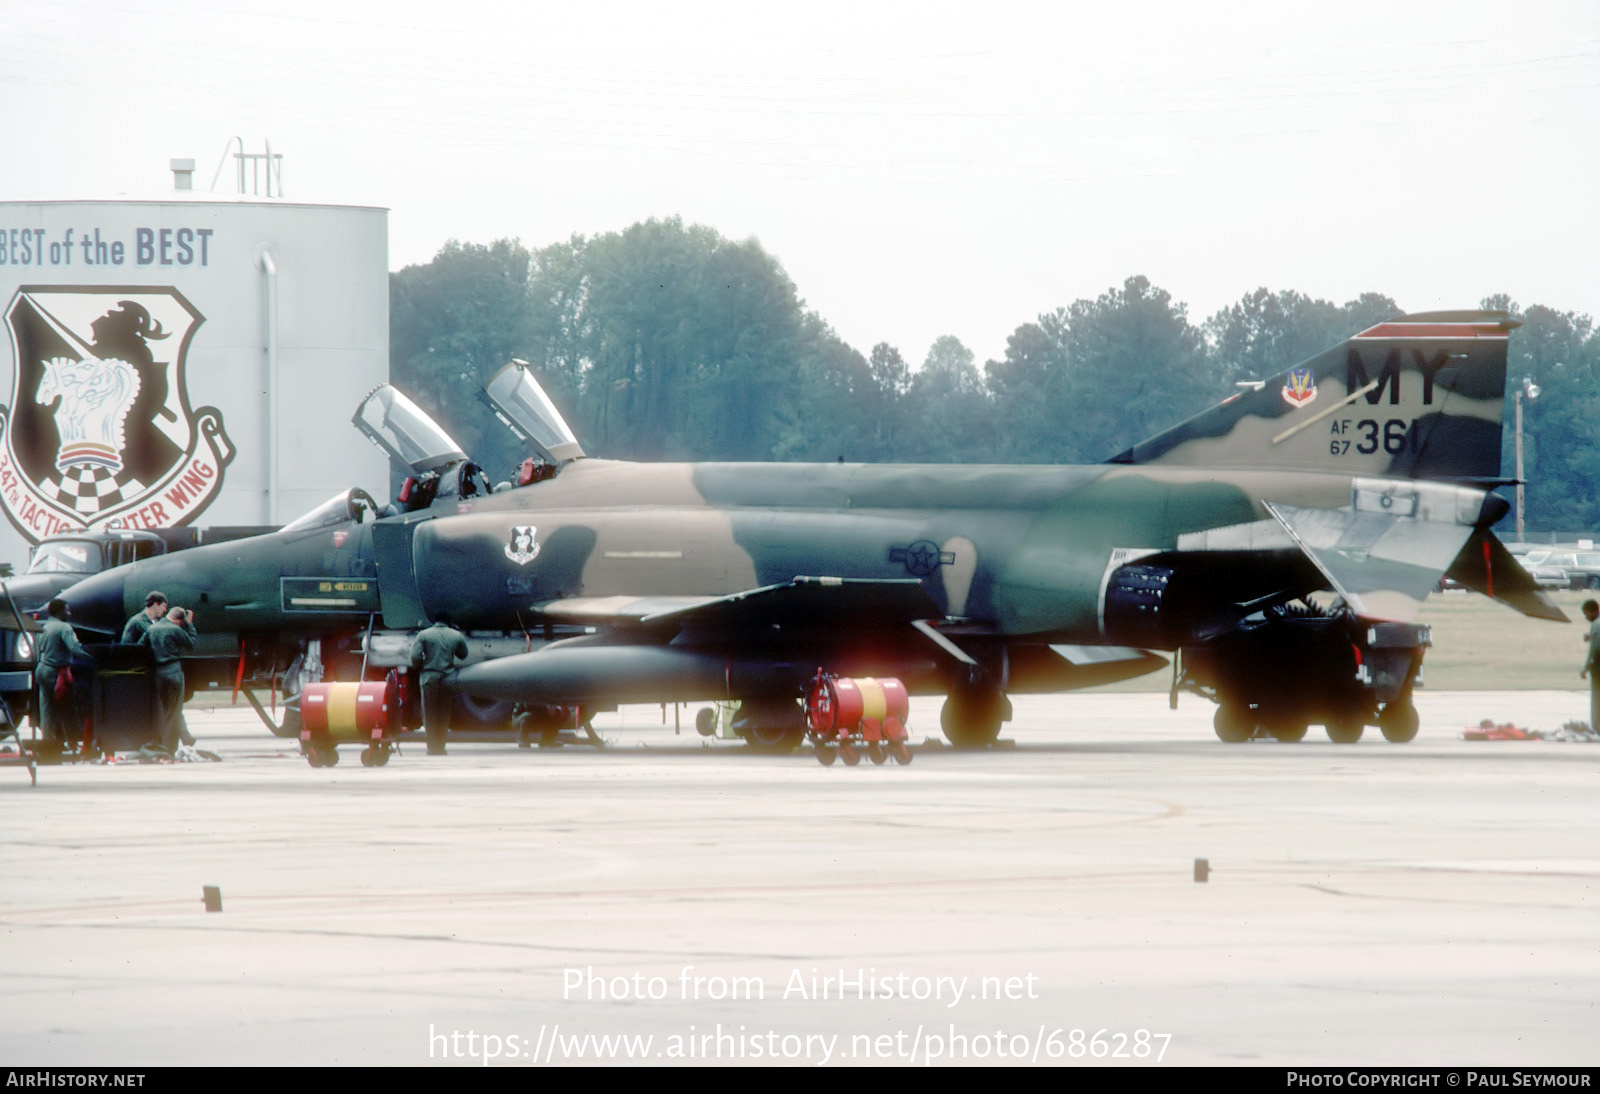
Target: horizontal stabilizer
1383,564
1484,564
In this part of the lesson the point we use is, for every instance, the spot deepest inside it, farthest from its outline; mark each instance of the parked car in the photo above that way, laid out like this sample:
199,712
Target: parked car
1580,568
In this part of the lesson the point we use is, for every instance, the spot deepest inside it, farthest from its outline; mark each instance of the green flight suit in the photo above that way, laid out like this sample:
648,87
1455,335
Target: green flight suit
136,629
56,648
169,641
434,652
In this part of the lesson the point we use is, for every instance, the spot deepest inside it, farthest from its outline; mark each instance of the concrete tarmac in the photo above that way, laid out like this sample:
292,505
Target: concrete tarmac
1430,904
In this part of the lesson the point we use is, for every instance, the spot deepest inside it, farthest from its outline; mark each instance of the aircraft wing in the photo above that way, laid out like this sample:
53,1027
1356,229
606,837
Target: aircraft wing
813,601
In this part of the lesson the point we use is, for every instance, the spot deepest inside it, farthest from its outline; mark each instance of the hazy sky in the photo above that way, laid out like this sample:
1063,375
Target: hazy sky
919,168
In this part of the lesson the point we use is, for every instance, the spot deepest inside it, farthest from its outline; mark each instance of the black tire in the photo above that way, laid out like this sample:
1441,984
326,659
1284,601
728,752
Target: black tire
1234,723
776,726
826,755
901,754
875,753
1399,723
972,719
774,740
1289,732
1345,731
849,755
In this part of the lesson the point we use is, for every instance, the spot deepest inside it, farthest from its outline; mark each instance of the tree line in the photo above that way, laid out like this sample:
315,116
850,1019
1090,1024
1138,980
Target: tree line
669,341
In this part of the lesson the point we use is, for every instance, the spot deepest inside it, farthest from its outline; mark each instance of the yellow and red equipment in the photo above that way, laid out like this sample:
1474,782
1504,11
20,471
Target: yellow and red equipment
331,714
845,711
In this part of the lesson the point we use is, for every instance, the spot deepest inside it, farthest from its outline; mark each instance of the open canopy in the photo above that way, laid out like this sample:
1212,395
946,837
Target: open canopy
401,428
519,401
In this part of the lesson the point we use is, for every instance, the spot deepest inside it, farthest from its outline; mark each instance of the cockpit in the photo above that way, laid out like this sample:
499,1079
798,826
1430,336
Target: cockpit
522,405
439,466
353,506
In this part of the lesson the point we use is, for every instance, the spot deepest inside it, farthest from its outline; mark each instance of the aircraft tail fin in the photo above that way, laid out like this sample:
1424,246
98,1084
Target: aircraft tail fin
1420,396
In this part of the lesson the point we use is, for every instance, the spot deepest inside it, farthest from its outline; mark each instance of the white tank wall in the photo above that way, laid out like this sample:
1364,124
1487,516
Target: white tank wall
333,347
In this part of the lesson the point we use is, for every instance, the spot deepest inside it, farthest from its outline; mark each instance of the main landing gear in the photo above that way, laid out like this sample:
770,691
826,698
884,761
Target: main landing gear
773,726
1289,668
971,716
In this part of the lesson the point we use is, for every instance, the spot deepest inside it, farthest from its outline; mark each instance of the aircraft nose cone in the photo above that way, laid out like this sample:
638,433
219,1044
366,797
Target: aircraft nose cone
96,603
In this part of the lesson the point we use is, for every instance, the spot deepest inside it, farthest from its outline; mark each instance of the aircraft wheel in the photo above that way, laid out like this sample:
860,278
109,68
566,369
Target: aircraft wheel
1288,732
849,755
972,720
777,740
1345,731
1399,722
705,721
1234,723
826,755
875,753
901,754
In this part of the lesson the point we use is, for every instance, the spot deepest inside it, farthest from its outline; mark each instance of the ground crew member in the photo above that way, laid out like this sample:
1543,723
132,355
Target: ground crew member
169,639
1591,664
155,606
434,651
58,645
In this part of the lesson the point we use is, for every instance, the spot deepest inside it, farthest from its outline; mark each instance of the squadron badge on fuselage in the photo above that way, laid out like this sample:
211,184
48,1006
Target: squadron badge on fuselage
522,549
1301,388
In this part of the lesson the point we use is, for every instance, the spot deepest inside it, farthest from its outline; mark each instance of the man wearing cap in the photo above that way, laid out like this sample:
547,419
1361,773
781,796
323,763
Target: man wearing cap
434,652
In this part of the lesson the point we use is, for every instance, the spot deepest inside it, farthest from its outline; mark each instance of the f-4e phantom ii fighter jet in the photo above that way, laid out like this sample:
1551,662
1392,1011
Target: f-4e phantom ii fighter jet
1279,544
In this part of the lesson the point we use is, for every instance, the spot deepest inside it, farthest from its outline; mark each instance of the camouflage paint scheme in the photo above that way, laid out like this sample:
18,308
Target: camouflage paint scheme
1363,471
